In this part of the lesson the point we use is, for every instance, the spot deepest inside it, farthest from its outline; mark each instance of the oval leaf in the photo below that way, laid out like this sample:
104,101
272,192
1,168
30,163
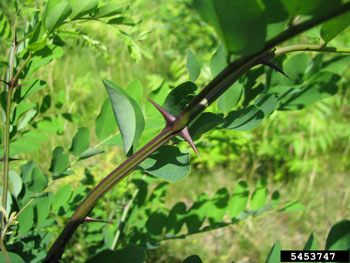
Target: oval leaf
128,115
244,119
81,142
105,122
339,236
56,15
260,194
60,161
193,65
81,8
240,24
239,200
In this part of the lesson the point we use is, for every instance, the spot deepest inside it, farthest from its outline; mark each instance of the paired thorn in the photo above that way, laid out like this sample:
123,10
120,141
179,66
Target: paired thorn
265,61
89,219
170,120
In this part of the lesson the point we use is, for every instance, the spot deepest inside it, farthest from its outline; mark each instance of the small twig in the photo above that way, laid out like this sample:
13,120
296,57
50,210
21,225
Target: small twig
312,48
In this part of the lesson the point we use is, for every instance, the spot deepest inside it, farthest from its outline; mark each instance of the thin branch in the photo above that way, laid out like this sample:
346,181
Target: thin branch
312,48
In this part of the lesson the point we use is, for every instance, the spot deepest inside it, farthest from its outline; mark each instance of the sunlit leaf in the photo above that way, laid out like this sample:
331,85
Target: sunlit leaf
128,114
218,206
311,243
193,65
231,97
239,200
56,14
60,160
108,10
81,8
245,119
275,253
240,24
80,142
259,196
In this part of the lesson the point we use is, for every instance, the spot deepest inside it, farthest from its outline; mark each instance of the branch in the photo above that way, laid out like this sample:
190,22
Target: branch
312,48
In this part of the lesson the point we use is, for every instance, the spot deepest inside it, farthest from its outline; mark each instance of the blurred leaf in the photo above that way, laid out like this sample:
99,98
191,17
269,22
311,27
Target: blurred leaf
43,205
62,197
122,20
130,254
128,114
205,122
115,140
267,103
5,27
20,109
193,65
218,61
60,99
56,14
105,123
192,259
197,213
13,257
81,8
37,40
218,206
337,64
230,97
16,182
38,181
179,97
60,161
314,7
311,243
167,163
156,222
46,104
239,200
176,219
339,236
135,90
80,142
108,10
240,24
259,196
295,206
28,88
244,119
277,17
89,153
26,220
295,67
275,253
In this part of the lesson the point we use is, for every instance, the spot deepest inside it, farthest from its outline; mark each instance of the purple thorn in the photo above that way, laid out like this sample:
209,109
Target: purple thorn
89,219
268,63
10,159
167,116
186,135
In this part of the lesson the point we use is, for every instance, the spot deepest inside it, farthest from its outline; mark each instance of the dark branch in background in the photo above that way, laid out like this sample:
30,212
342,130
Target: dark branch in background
177,126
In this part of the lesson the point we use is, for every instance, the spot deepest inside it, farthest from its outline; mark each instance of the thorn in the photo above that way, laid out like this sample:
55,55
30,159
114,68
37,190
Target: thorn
186,135
10,159
89,219
7,83
167,116
268,63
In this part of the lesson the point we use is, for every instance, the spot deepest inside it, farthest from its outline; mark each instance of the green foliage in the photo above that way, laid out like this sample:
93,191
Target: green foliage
139,218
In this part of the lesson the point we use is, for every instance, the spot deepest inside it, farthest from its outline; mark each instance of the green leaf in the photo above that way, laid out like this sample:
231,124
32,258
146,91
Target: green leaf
81,142
38,181
156,222
239,200
129,254
135,90
197,213
43,205
60,161
336,64
176,219
105,123
26,220
89,153
28,88
277,17
81,8
16,182
5,28
56,14
231,97
20,110
167,163
108,10
13,257
193,65
259,196
218,206
61,198
122,20
128,114
218,61
311,243
193,259
244,119
240,24
205,122
339,236
179,97
37,40
267,103
314,7
115,140
295,67
295,206
275,253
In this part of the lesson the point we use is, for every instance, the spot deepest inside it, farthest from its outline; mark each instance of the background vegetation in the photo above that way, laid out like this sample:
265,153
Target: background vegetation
304,154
